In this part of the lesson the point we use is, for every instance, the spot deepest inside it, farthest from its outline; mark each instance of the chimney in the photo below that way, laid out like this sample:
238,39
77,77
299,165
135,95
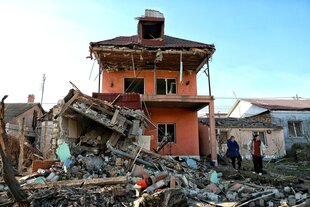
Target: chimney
30,98
151,28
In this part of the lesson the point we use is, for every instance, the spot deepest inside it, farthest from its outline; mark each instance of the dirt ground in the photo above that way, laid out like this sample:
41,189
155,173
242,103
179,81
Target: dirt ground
278,173
289,167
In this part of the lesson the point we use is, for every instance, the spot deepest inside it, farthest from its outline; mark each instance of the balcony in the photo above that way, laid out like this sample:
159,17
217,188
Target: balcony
194,103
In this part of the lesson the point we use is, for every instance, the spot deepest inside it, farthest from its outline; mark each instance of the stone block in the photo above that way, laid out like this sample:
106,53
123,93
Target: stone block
291,201
213,188
235,187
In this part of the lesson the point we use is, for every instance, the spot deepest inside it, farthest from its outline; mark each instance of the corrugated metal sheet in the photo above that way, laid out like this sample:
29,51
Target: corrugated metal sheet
153,13
129,100
273,104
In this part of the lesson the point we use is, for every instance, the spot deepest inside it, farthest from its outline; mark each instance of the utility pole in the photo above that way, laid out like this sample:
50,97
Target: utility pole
43,83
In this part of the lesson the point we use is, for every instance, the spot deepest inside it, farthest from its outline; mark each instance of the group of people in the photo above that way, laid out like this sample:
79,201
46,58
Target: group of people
256,148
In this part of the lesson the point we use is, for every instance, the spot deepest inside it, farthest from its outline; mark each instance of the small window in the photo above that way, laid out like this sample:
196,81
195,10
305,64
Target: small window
134,85
166,130
34,119
294,129
166,86
262,136
151,30
223,137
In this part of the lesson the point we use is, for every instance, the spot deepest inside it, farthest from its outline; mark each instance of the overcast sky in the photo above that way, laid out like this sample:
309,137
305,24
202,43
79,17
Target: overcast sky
262,47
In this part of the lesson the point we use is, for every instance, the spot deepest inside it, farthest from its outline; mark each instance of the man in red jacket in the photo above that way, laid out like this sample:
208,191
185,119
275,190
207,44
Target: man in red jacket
257,149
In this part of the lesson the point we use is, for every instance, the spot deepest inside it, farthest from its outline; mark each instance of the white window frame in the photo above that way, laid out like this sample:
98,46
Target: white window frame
295,130
166,86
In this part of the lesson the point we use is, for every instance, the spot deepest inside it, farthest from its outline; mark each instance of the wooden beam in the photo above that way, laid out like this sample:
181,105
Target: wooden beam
172,181
114,138
114,118
67,104
43,164
98,49
21,145
84,182
202,64
45,146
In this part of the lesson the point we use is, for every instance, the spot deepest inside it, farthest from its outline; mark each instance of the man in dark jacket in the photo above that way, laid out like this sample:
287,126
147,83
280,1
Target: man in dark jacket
233,152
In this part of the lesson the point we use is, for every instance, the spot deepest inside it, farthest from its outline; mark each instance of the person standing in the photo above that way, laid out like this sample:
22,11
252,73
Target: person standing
257,150
233,152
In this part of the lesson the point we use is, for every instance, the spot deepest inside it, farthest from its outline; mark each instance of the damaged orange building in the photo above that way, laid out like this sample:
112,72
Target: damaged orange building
157,73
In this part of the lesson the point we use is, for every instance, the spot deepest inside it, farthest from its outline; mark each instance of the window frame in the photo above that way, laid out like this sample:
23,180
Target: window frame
262,139
295,130
124,86
166,86
174,127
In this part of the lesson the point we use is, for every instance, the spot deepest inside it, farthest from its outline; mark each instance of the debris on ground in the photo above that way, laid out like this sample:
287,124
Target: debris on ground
106,166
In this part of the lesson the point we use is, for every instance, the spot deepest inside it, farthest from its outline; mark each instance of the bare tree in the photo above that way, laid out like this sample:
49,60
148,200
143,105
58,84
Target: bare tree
8,170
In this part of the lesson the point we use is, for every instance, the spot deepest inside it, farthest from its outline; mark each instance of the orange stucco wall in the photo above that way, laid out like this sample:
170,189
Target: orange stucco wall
113,82
186,121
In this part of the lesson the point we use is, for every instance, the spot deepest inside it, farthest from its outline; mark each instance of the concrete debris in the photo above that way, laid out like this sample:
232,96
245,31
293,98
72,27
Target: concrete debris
103,165
144,185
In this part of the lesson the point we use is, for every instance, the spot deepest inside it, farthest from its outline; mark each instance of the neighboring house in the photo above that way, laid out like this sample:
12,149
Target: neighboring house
243,129
292,115
45,133
162,69
30,111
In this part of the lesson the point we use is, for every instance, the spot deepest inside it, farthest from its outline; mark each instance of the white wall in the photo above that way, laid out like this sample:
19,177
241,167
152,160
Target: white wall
245,109
275,140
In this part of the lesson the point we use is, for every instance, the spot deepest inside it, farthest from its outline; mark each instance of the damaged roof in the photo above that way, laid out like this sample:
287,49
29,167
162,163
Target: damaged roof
239,123
303,105
150,48
13,110
170,42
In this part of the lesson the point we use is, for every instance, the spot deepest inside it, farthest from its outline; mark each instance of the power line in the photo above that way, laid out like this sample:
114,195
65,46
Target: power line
234,98
43,84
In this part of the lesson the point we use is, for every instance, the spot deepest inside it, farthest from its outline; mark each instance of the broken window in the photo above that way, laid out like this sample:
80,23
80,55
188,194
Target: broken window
262,136
151,30
294,129
223,137
166,86
166,131
134,85
34,119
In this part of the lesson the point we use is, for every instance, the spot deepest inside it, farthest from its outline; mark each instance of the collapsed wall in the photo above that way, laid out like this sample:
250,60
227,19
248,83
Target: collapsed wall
87,123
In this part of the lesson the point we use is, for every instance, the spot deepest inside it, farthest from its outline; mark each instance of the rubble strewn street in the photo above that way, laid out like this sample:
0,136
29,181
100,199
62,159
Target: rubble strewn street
120,172
150,129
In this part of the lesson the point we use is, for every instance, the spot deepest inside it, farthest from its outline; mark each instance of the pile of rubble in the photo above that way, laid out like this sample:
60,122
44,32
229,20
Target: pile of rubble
148,179
107,166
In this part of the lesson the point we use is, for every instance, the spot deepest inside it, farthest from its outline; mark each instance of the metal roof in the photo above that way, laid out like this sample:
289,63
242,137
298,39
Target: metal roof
170,42
13,110
270,104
